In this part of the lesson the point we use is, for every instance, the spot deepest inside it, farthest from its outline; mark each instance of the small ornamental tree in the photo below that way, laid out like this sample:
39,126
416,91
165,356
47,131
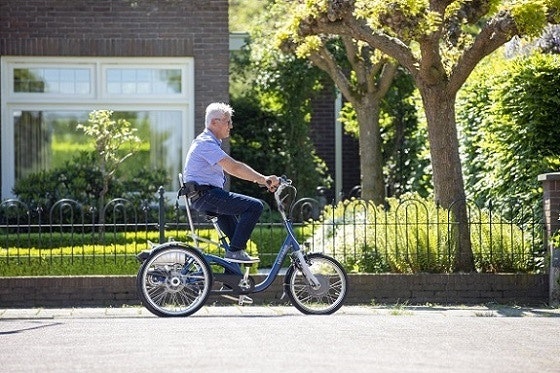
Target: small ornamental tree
115,141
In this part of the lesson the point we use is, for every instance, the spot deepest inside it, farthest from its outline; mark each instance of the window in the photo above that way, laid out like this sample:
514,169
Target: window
143,81
52,80
47,97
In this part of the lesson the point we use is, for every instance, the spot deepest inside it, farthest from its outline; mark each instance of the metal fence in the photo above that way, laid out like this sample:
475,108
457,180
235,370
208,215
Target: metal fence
403,236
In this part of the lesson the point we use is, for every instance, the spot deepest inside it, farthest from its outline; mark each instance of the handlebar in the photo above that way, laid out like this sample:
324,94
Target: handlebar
283,181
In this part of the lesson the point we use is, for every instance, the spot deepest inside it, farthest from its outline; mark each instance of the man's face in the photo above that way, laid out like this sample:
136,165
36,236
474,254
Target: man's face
222,126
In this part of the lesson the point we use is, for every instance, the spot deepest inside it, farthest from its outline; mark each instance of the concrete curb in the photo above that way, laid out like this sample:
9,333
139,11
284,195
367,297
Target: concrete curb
271,311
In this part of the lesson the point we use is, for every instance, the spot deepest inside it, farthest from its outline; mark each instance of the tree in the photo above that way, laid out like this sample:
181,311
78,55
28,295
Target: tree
405,145
363,76
439,42
115,141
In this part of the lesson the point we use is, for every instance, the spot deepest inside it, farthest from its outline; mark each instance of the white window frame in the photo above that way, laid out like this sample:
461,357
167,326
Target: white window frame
36,95
98,99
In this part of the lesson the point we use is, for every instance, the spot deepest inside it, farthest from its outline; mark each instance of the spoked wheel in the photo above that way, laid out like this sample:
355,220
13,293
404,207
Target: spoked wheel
174,281
325,299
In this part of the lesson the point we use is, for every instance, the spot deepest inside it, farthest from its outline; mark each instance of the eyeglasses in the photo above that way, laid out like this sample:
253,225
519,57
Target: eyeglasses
227,120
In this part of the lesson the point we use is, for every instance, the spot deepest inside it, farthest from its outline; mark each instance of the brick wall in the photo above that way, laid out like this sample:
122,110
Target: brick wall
445,289
193,28
323,136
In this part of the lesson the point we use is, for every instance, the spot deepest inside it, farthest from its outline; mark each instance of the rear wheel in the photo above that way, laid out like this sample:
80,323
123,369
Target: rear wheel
174,281
325,299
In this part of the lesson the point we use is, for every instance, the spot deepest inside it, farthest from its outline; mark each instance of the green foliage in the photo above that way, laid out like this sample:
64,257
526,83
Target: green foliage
114,140
142,185
67,266
81,180
509,113
406,19
414,235
259,140
242,13
272,107
405,155
530,16
108,254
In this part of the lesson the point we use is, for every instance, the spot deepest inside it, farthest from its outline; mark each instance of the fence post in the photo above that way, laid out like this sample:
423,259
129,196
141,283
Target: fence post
161,223
551,205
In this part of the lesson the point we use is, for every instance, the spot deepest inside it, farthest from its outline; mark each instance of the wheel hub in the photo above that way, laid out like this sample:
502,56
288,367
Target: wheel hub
319,290
174,283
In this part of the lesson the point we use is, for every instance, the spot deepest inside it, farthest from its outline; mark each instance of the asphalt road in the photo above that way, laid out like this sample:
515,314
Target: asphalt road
280,339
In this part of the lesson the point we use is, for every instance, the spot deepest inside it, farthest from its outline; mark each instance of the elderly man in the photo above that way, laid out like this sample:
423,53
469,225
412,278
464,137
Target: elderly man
205,169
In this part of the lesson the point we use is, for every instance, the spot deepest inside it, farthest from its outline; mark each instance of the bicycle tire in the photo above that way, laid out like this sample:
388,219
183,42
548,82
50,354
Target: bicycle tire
325,300
174,281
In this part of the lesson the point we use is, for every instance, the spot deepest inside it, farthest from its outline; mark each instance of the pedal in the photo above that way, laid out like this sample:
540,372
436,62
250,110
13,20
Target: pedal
241,300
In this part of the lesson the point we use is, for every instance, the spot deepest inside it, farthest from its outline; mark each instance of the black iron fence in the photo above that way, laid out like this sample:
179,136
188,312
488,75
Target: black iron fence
405,236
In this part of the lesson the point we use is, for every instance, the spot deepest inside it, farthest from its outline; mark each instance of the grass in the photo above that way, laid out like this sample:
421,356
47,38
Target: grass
66,254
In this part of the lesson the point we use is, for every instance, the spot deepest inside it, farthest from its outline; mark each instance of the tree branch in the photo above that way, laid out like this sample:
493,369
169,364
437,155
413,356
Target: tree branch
343,22
494,34
324,60
386,78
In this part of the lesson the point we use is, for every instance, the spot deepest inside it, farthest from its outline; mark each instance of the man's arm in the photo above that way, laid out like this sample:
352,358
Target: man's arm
243,171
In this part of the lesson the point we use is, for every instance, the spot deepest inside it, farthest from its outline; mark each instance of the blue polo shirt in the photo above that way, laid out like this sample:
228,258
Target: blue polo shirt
202,160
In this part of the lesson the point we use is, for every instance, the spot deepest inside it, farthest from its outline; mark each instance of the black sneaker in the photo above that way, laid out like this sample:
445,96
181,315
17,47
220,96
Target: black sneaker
143,255
240,256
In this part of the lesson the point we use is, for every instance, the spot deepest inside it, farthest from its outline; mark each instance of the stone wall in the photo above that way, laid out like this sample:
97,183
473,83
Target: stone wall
445,289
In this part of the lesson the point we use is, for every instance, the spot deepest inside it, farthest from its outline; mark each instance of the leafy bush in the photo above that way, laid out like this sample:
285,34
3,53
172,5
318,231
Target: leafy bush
81,180
508,112
414,235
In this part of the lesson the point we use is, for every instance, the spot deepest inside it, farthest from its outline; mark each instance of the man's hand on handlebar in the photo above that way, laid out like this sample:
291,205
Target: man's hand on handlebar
272,182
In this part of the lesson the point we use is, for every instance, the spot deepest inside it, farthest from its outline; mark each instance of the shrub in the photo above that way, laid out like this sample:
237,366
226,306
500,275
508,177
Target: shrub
414,235
81,180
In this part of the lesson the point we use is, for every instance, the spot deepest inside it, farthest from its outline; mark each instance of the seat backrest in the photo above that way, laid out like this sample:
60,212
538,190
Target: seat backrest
183,193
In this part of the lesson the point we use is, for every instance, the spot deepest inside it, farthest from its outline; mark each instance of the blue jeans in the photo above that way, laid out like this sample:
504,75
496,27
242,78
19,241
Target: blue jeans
237,214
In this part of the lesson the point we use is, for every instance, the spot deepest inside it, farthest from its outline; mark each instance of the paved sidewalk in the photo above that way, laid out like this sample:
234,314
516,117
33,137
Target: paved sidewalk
234,310
392,338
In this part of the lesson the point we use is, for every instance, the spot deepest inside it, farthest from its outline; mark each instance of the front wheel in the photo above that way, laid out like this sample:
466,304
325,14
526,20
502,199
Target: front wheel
325,299
174,281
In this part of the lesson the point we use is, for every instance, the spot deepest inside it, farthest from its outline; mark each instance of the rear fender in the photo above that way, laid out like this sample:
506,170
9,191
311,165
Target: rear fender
146,254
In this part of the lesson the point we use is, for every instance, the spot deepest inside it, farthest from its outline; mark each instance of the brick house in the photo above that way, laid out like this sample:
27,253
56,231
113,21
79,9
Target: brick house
157,64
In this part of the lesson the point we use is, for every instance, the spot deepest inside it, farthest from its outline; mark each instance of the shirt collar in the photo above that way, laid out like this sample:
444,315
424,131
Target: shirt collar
209,133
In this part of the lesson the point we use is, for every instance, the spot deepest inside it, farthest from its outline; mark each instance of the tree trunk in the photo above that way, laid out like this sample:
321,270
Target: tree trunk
371,162
449,188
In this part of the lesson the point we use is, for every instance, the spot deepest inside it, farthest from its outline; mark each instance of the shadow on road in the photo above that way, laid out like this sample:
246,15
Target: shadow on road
25,329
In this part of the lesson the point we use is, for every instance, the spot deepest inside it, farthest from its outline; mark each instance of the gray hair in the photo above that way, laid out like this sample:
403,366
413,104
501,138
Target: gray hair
217,110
